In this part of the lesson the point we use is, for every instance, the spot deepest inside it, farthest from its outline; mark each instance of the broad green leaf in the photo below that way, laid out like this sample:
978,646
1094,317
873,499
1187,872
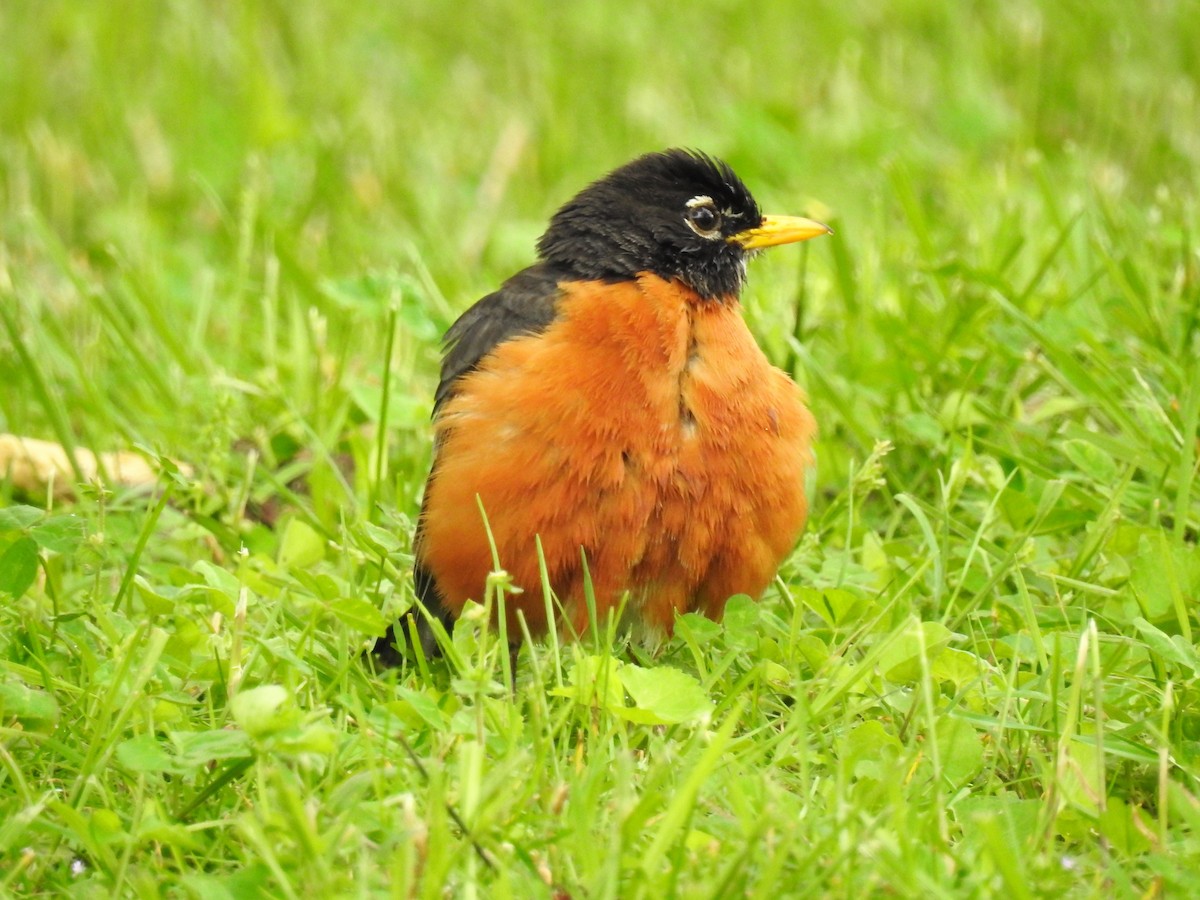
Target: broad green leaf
18,518
957,666
1162,571
1081,783
1092,462
594,681
700,629
775,674
171,834
741,622
1012,821
256,880
874,555
835,605
1119,825
670,695
360,614
900,661
384,539
18,567
145,754
302,545
317,737
415,707
869,750
34,709
155,603
60,534
1172,649
812,650
220,579
198,748
263,710
105,826
960,751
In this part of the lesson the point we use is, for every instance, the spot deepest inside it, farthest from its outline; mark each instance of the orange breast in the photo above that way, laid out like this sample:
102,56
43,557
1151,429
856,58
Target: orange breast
643,427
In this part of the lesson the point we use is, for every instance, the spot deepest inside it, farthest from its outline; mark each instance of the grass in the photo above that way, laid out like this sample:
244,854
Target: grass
230,235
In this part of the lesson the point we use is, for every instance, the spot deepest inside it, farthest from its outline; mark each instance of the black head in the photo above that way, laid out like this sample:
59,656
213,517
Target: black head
676,214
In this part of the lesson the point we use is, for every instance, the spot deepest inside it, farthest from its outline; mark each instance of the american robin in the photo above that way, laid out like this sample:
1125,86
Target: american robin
610,400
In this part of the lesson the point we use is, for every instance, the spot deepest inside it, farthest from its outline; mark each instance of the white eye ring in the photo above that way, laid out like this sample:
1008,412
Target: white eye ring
702,217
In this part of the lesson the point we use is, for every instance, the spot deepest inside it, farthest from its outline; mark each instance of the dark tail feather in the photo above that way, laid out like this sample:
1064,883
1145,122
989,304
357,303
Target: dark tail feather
394,647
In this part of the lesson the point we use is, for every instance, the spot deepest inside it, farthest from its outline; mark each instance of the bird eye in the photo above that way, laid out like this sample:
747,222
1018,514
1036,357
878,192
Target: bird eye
704,220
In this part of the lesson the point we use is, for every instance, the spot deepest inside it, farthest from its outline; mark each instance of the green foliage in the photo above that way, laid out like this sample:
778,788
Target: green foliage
230,235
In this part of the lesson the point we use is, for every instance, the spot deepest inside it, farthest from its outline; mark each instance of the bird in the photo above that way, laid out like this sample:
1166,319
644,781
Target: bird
610,404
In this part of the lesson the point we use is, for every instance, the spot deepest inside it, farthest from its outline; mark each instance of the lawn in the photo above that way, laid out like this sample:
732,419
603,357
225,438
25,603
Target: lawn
231,235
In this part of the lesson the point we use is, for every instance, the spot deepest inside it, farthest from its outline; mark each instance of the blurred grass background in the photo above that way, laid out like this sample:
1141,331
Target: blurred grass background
224,226
197,159
188,153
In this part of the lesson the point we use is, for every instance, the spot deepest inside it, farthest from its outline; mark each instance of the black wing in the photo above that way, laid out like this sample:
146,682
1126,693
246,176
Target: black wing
525,304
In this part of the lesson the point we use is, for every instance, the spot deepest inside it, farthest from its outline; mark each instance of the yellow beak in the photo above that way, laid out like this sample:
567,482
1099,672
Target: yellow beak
774,230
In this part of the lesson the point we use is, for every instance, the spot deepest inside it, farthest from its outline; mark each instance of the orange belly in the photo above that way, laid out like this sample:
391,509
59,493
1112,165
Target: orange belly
643,427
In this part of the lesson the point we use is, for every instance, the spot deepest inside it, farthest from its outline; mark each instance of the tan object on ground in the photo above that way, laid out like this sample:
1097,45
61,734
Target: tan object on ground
36,466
